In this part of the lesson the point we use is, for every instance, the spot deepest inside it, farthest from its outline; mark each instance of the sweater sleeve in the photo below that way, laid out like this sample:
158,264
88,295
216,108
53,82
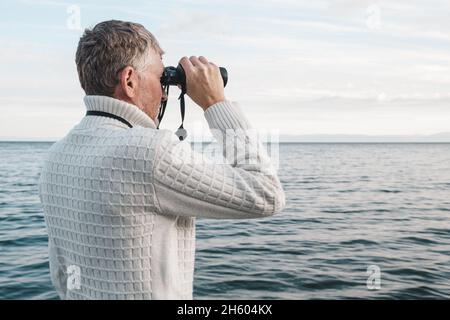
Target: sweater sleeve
243,185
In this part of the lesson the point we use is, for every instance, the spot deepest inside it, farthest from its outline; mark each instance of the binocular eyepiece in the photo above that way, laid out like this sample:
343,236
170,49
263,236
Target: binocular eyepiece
173,76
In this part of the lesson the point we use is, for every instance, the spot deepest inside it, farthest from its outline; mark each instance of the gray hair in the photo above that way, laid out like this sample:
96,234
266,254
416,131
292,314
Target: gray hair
108,48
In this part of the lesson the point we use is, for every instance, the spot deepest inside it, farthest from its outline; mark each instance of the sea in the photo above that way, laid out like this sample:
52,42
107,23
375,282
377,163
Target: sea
362,221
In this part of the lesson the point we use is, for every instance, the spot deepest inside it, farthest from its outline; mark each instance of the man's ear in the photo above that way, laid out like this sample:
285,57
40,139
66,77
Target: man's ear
128,81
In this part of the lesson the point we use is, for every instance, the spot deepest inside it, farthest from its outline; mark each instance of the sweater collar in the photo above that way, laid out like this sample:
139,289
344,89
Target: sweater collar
120,108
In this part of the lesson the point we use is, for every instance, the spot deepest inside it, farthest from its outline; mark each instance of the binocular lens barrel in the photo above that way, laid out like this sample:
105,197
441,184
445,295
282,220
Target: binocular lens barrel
173,76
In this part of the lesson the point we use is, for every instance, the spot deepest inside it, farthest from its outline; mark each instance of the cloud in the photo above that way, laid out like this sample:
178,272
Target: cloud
301,66
194,23
44,2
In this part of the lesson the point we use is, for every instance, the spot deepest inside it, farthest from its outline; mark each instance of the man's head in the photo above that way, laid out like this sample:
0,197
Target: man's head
122,60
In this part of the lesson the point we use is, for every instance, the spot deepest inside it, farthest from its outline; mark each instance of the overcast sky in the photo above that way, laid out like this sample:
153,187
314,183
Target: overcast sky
300,67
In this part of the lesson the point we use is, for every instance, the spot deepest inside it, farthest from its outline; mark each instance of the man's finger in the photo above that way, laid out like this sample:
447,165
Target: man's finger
203,59
186,63
194,60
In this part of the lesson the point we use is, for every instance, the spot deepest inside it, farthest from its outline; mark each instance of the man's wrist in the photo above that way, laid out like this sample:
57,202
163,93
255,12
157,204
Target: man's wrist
210,104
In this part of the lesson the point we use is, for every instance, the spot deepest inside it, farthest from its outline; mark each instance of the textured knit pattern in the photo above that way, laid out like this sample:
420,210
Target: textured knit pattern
120,203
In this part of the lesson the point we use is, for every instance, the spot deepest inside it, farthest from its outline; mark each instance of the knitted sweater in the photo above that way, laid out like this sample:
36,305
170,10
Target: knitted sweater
120,203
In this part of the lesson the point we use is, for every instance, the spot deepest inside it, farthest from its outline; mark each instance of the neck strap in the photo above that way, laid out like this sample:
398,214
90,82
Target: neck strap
108,115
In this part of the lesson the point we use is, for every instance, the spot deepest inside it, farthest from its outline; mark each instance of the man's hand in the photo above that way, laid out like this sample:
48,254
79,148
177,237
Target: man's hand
204,84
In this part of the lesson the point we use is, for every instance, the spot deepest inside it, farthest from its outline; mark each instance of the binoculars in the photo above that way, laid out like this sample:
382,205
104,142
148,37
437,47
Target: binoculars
173,76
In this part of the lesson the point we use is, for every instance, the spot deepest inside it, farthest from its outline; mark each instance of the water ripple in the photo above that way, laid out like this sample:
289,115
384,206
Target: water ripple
348,207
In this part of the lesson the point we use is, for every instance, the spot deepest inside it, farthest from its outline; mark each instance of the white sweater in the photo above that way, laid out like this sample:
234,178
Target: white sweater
120,203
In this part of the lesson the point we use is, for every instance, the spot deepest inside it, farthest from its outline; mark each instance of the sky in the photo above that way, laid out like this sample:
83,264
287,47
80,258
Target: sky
295,67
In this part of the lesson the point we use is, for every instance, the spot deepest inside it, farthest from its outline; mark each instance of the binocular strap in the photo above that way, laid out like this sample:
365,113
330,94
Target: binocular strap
181,133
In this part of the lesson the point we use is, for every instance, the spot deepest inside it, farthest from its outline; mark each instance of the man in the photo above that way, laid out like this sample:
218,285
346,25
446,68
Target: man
120,197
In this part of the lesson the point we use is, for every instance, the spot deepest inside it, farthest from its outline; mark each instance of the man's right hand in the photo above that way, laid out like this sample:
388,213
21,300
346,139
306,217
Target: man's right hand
204,84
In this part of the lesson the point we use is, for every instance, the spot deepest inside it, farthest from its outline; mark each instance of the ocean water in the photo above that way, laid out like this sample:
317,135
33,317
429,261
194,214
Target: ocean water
349,206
